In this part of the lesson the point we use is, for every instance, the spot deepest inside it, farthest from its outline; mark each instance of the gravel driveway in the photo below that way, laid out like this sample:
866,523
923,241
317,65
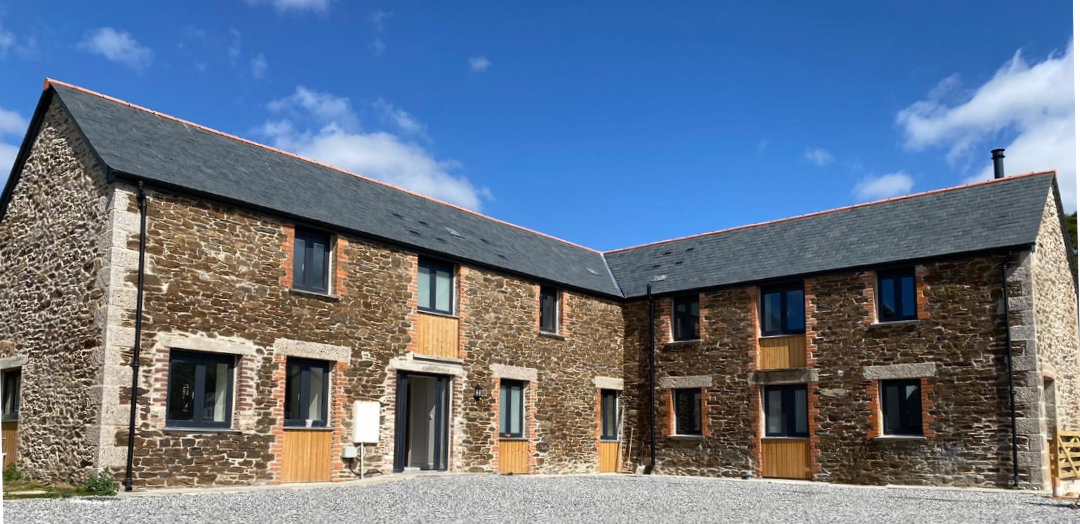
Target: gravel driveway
490,498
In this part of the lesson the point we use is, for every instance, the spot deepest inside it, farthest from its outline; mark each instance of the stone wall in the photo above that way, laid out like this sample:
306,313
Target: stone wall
51,274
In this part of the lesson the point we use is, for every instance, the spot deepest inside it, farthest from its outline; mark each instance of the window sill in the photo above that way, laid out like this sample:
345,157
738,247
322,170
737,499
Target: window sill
895,322
182,429
783,335
899,438
555,336
610,440
684,342
314,294
305,428
436,313
686,437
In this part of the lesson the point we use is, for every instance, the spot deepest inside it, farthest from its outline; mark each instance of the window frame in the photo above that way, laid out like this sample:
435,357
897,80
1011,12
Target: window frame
306,365
696,401
783,290
200,360
676,335
432,265
905,430
303,237
504,412
556,311
605,434
896,276
5,377
788,409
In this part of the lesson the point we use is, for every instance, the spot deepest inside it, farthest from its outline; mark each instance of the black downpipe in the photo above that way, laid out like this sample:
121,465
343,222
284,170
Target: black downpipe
652,380
1012,382
138,339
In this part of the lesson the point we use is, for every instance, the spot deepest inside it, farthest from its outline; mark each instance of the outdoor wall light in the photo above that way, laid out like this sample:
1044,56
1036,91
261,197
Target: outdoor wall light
477,392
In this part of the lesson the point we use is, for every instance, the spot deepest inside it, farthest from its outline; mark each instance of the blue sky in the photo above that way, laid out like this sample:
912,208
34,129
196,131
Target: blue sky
608,124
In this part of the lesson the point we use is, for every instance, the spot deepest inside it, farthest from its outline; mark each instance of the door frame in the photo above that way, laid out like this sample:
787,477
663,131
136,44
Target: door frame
442,425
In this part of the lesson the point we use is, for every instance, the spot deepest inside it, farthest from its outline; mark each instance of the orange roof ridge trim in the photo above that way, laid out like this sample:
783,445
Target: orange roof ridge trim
838,209
50,81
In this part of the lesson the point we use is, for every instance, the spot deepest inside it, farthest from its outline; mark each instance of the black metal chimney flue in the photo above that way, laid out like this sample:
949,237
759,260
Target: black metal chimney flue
999,162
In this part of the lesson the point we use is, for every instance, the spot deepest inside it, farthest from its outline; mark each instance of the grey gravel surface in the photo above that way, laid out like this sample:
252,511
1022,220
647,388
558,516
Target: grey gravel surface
490,498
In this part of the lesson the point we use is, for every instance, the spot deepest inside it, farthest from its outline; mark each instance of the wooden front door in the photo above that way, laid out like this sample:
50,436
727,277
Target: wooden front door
514,456
306,455
785,458
10,437
609,457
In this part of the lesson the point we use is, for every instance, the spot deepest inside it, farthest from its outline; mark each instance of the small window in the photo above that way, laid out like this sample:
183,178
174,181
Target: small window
785,411
436,289
901,407
684,318
511,408
896,295
12,379
307,386
609,414
687,411
200,390
782,311
549,309
311,261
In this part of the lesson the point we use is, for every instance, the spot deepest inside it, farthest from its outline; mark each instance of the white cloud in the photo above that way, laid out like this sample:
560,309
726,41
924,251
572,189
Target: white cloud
884,186
479,63
14,126
1030,104
378,47
235,45
7,159
378,19
399,118
296,5
7,41
11,123
817,156
335,138
118,46
258,66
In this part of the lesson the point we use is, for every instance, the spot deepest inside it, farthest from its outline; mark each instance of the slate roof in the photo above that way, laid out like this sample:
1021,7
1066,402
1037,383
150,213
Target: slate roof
983,216
142,144
165,150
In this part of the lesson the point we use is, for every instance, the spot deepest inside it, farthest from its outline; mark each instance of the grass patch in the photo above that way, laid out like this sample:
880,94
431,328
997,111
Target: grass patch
16,487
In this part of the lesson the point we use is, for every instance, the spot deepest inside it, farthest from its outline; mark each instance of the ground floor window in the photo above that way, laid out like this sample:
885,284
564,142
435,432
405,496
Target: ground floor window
307,384
199,390
687,404
901,407
511,409
785,411
609,408
12,381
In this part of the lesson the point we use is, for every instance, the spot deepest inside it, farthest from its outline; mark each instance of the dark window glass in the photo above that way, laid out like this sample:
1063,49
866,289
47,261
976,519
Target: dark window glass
12,380
436,286
782,310
307,386
511,408
609,409
687,411
896,295
200,390
901,407
549,309
684,313
311,261
785,411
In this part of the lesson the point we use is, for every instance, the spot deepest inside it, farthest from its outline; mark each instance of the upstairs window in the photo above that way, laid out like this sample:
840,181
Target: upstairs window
436,289
901,407
311,261
609,409
896,295
12,379
549,309
687,411
684,318
200,390
307,387
785,411
511,409
782,311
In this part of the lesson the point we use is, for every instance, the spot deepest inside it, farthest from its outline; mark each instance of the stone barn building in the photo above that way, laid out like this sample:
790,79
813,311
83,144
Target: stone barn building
257,317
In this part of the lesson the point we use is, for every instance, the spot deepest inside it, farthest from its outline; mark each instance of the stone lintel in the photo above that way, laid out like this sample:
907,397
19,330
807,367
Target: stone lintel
426,366
608,383
691,381
900,371
783,376
232,346
17,361
513,372
313,350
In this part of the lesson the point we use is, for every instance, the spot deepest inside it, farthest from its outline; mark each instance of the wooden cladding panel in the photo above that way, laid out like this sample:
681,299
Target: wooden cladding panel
609,457
437,336
306,456
513,456
785,458
782,352
10,436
